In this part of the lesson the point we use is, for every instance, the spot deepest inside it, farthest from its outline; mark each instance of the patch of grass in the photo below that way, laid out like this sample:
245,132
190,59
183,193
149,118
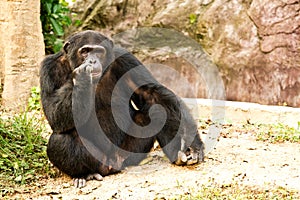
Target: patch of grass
193,18
235,191
34,101
272,133
23,156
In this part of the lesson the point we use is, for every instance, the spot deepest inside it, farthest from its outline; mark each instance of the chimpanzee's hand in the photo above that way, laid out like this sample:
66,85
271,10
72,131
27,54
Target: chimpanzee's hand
90,70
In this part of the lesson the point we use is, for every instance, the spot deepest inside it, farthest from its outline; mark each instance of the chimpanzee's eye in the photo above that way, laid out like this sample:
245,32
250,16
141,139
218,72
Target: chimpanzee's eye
84,51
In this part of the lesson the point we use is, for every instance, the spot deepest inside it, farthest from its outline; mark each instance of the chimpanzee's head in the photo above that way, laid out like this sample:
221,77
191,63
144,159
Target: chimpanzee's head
89,46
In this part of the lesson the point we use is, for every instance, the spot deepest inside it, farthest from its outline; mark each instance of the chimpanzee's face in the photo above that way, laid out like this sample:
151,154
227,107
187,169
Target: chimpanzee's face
89,48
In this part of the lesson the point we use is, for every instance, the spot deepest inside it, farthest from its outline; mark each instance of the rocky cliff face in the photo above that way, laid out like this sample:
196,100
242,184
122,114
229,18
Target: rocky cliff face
254,43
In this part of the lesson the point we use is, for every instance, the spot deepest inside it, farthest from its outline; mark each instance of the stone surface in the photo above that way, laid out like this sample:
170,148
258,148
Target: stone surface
254,43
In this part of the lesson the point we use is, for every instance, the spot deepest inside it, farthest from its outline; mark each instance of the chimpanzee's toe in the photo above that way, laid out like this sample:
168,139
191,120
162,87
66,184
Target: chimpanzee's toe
79,182
95,176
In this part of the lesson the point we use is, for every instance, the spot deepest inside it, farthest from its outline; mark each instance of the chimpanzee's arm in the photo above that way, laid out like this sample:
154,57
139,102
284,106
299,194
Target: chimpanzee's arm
58,90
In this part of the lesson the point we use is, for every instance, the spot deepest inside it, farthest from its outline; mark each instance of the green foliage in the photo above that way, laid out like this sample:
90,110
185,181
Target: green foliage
77,22
34,99
23,157
54,18
193,18
22,147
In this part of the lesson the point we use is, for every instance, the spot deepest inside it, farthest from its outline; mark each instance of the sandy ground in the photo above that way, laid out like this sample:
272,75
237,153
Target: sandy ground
238,158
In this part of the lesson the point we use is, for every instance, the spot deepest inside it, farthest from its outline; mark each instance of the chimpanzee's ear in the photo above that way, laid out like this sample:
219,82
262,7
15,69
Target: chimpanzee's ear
66,46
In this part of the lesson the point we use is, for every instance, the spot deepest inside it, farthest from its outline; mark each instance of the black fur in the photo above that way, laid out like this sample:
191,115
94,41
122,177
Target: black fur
65,91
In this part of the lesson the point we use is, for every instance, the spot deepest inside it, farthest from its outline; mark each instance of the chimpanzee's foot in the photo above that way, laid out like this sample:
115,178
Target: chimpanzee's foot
189,157
95,176
81,182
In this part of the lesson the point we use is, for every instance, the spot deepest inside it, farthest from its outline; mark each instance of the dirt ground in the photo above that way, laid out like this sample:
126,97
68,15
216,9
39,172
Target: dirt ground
238,158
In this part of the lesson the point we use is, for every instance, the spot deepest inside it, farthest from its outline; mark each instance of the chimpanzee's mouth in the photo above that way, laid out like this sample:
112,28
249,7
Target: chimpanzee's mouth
97,71
96,74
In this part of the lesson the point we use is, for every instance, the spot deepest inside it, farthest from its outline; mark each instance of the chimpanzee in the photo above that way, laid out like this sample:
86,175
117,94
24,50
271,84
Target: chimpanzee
106,111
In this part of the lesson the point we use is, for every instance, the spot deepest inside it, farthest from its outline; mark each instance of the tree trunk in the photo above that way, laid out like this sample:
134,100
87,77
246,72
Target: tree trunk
21,50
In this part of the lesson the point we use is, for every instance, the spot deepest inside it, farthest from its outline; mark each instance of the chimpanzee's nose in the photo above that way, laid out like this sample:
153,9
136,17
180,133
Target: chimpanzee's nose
92,61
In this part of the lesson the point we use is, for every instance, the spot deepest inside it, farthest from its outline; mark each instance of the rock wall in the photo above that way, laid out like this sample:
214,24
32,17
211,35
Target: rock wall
254,43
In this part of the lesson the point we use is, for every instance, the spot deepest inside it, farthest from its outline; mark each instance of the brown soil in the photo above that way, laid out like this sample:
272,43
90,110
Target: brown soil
238,158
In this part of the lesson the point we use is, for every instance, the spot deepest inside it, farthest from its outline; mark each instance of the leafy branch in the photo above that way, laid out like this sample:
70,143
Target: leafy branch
54,18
